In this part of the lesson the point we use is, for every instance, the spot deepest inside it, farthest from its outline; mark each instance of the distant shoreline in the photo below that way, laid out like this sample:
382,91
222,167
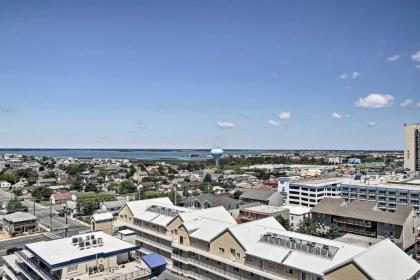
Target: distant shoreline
201,149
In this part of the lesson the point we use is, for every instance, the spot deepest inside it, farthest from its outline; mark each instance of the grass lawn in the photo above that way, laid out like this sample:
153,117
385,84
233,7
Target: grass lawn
45,203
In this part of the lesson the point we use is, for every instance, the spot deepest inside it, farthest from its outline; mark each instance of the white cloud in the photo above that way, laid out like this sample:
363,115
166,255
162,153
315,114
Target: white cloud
273,123
416,56
336,115
394,57
406,103
355,75
343,76
418,104
224,124
417,66
375,100
285,115
371,123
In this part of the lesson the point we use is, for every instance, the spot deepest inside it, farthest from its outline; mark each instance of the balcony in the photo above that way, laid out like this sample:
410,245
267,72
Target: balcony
25,259
154,243
222,272
119,223
353,222
189,273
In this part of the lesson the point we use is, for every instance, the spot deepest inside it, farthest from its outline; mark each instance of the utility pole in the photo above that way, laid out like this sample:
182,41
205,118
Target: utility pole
67,226
51,228
175,195
34,205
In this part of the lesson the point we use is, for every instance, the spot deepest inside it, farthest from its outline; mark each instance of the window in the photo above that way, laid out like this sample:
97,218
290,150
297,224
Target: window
272,265
72,268
232,251
288,270
238,255
221,250
249,258
314,277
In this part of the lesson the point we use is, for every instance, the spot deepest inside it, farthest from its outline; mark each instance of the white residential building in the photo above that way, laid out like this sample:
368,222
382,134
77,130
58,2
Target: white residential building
5,185
94,255
309,192
296,214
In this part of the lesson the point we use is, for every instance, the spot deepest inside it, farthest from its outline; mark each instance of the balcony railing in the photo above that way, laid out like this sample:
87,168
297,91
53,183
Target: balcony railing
129,276
230,275
34,266
154,243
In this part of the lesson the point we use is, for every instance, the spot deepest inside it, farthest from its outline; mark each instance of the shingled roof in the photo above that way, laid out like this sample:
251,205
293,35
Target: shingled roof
257,194
213,200
363,210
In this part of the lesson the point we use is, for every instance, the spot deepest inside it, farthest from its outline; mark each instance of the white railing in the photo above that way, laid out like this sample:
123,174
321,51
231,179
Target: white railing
154,243
217,270
34,266
129,275
228,274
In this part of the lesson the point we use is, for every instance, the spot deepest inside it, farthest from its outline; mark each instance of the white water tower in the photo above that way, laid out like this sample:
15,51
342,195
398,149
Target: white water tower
216,154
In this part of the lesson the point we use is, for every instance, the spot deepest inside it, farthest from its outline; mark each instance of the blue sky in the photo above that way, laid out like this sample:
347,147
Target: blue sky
203,74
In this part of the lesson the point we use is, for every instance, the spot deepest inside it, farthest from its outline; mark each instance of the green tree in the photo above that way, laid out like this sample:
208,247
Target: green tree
42,193
89,202
15,205
151,194
333,232
207,178
9,177
284,222
76,183
102,173
127,186
175,197
49,174
91,188
309,226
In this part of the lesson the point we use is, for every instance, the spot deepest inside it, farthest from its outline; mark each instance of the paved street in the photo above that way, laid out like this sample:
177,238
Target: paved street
43,214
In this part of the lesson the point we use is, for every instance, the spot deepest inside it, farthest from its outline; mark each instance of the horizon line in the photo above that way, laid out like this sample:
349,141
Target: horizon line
203,149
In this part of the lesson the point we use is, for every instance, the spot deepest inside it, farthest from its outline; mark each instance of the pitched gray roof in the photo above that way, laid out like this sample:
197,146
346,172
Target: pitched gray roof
363,210
257,194
19,217
114,203
214,200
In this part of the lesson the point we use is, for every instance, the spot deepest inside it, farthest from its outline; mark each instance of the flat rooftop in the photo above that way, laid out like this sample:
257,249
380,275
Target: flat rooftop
60,252
410,187
359,240
297,209
319,182
19,217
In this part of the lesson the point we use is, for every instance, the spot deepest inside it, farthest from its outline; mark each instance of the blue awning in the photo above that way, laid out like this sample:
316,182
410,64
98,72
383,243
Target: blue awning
154,260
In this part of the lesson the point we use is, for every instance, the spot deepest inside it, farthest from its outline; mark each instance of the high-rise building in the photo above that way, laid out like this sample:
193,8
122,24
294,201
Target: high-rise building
412,146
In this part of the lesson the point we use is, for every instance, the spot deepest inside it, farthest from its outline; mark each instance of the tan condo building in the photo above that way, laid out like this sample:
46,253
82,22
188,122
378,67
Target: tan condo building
208,244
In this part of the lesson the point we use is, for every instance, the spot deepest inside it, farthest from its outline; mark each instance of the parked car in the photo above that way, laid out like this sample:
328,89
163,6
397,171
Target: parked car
13,250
